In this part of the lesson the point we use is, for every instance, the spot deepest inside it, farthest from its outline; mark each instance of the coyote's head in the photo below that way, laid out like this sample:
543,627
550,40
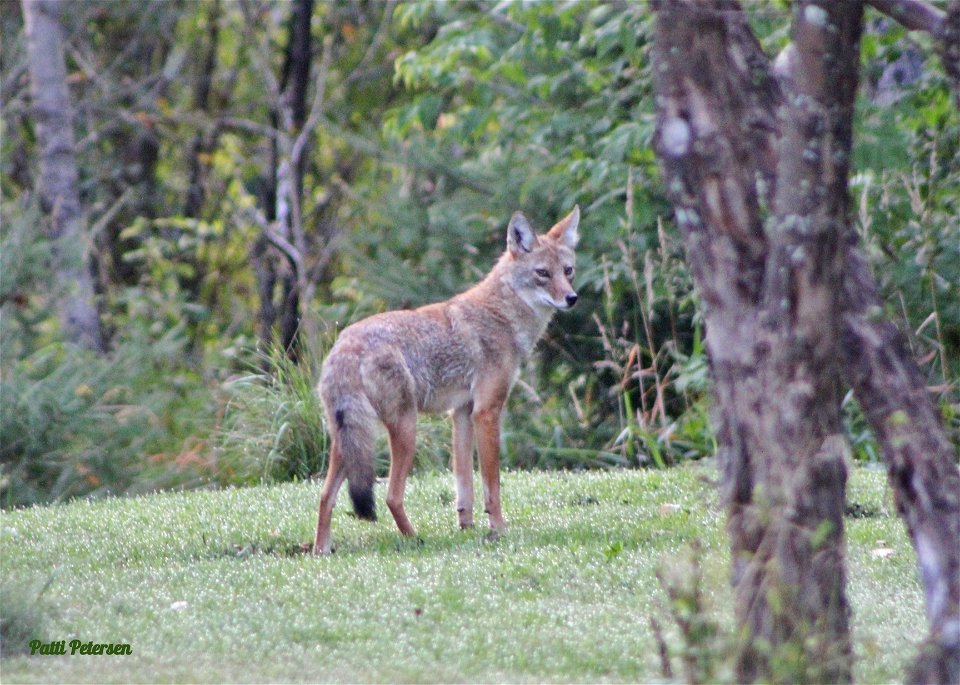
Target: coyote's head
542,266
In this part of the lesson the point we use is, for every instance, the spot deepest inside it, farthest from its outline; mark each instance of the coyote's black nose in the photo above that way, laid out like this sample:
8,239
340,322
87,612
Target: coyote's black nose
571,299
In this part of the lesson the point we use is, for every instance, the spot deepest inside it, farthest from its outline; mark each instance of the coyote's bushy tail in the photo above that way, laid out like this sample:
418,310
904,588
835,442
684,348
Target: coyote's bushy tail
351,418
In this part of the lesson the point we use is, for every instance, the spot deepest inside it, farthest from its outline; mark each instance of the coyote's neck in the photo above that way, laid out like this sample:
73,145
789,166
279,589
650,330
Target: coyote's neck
518,318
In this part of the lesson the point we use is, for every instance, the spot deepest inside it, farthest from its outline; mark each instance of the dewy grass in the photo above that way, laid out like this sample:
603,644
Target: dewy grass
214,586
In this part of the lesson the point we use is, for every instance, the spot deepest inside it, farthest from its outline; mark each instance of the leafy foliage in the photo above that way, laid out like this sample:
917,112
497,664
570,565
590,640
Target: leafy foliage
74,423
907,190
538,107
438,121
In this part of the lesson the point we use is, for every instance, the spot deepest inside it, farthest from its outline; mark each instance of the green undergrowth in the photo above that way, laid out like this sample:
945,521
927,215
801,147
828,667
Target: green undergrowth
211,586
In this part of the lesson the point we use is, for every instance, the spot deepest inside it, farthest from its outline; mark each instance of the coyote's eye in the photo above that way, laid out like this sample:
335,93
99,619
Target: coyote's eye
542,273
567,270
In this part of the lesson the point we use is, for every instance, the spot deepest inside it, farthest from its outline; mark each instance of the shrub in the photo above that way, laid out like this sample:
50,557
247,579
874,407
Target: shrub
77,423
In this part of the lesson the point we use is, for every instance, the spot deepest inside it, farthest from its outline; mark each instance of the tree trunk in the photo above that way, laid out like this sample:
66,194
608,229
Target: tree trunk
296,82
59,180
921,463
196,190
776,304
271,267
771,311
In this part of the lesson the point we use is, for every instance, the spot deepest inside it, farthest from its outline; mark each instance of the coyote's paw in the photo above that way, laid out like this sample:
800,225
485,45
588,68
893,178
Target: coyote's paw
465,518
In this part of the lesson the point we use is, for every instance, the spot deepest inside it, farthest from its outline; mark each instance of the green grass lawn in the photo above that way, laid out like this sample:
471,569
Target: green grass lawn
211,586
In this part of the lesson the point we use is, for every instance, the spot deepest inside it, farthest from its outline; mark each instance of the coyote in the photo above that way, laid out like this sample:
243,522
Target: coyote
462,355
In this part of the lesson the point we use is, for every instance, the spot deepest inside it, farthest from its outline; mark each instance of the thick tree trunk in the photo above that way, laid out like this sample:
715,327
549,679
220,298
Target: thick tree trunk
802,464
59,180
716,134
772,307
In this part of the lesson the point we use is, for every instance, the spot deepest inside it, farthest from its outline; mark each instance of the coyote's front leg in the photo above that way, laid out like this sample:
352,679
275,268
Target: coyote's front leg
487,424
463,464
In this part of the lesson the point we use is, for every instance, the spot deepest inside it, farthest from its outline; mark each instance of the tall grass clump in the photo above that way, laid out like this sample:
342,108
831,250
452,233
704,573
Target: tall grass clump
76,423
273,427
653,362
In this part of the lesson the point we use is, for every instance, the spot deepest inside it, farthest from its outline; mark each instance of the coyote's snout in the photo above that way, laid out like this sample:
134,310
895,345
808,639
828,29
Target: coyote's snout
462,356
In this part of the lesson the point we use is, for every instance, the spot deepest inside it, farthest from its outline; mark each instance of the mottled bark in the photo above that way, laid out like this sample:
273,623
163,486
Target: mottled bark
888,384
59,180
921,463
802,467
705,122
771,298
776,304
914,14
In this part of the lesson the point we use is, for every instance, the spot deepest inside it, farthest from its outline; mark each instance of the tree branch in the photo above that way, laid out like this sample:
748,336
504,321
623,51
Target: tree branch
275,239
111,212
377,40
915,15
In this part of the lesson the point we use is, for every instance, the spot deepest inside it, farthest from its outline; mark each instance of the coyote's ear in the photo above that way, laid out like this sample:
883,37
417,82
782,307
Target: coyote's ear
520,235
566,229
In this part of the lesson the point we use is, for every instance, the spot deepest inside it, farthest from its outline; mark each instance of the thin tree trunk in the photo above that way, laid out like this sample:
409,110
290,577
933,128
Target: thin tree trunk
296,82
272,267
201,103
59,180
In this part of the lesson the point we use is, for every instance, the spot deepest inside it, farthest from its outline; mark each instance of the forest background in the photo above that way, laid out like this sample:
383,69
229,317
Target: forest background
255,176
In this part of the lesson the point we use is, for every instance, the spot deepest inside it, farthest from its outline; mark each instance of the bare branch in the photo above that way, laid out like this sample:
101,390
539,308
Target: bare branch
249,126
273,237
14,84
375,43
498,17
916,15
284,246
111,212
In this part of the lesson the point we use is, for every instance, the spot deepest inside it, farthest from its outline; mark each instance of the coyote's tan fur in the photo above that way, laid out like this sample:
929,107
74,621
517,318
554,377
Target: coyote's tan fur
462,355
